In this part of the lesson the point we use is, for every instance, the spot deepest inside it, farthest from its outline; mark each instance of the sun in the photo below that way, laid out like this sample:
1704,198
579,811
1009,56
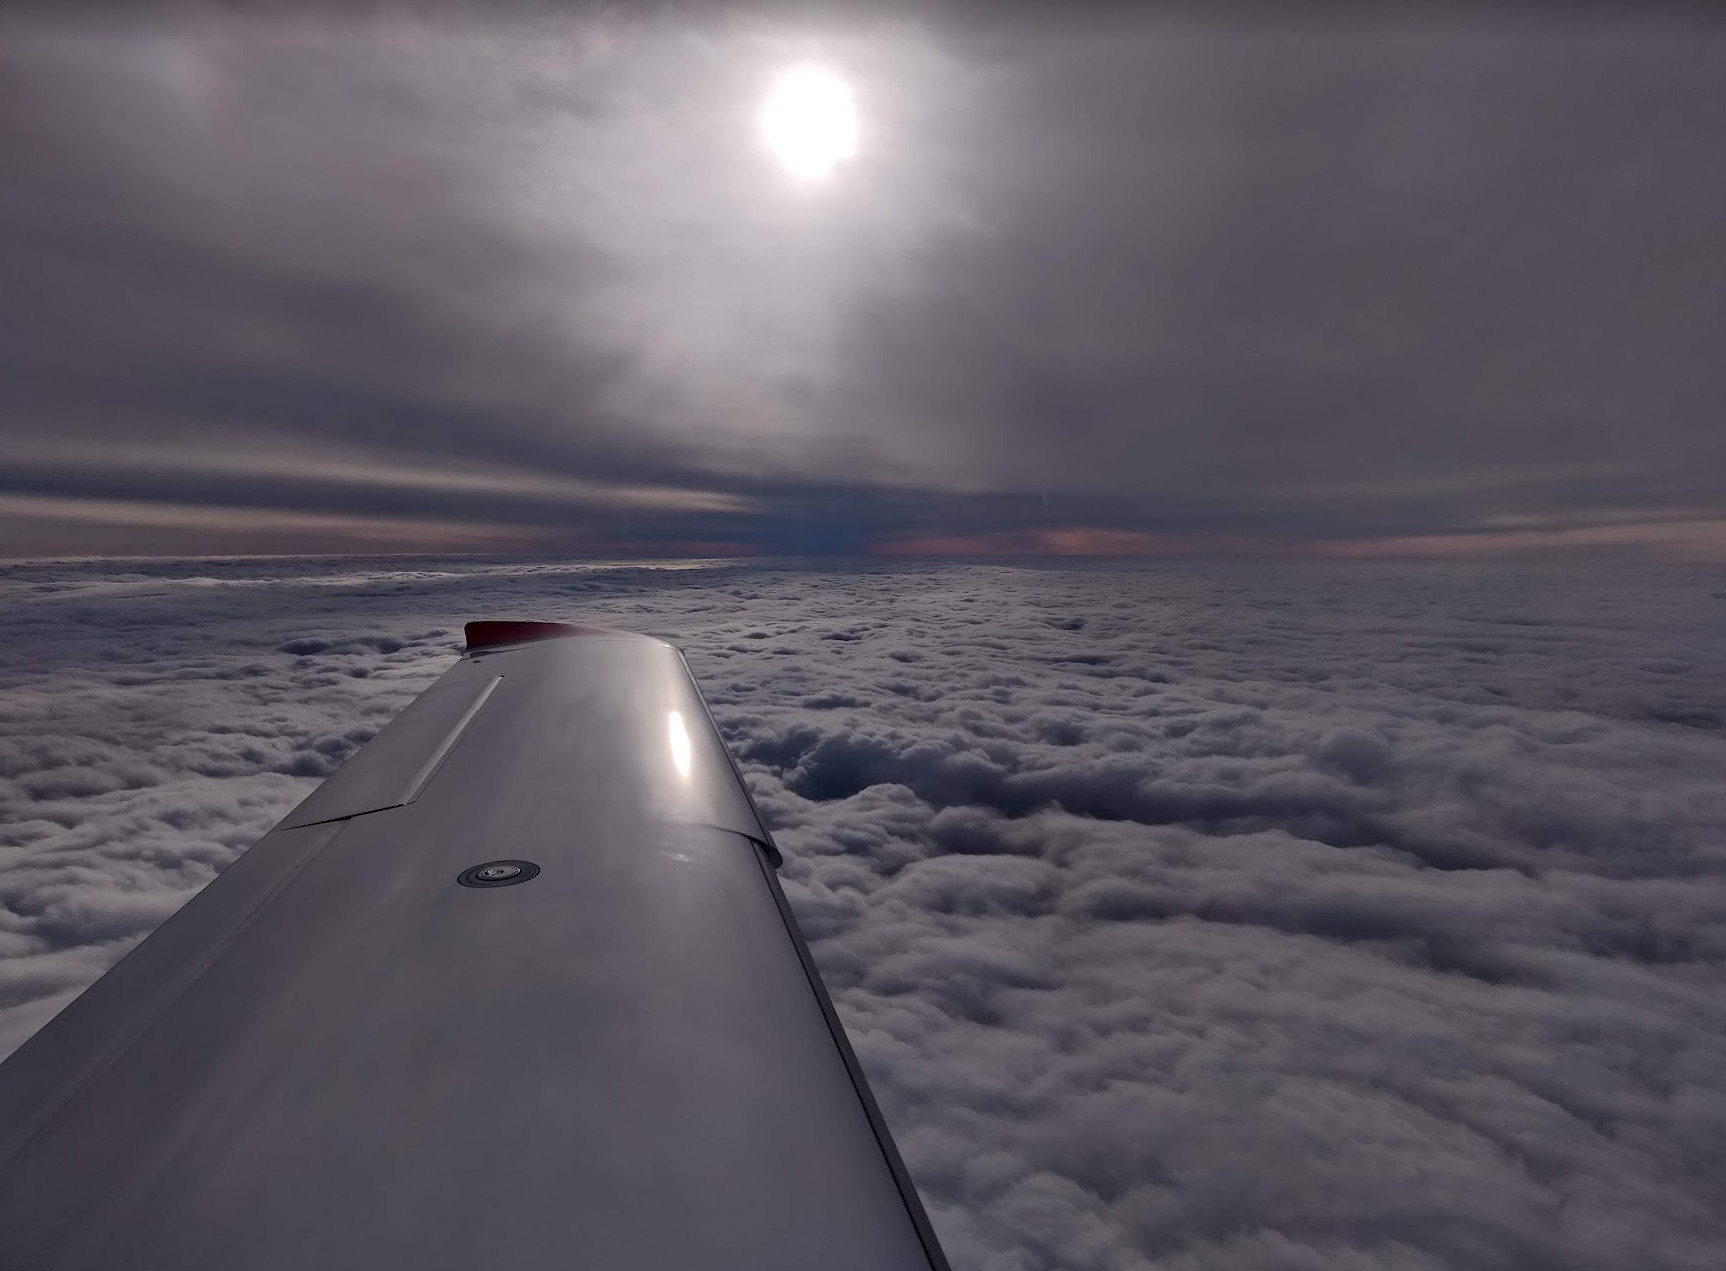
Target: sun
809,121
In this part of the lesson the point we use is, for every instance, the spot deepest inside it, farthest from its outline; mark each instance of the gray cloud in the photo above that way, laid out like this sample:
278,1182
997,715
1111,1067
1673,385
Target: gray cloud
533,282
1183,916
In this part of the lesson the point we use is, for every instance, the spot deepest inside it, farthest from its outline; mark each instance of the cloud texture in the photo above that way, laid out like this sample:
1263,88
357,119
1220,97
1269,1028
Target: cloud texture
1209,916
287,278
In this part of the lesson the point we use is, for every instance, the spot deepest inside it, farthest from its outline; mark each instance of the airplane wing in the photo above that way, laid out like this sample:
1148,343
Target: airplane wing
516,987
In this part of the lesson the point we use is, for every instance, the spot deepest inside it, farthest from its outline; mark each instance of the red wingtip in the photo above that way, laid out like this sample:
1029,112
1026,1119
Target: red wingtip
493,634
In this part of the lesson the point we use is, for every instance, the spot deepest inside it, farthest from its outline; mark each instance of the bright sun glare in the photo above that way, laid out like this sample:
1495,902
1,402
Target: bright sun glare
809,121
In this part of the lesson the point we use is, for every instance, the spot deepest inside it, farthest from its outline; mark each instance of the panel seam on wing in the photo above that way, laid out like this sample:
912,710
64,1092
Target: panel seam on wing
169,999
429,768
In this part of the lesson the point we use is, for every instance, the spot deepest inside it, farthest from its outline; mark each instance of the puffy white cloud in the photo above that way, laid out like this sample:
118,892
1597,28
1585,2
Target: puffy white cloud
1200,916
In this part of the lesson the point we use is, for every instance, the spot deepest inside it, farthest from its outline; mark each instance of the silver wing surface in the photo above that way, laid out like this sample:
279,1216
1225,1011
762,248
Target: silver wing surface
516,987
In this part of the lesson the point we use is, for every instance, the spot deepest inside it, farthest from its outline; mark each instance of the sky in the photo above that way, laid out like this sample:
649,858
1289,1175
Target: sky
407,278
1198,916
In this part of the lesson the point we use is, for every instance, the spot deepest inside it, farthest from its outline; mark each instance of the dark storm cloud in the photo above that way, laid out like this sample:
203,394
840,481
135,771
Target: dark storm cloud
1341,281
1312,916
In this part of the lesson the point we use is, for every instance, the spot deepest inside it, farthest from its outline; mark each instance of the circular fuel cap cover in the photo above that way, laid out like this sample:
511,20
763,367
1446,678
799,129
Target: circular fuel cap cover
497,874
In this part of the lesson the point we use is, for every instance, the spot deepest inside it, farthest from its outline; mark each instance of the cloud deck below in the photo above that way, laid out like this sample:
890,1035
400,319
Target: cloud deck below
1249,916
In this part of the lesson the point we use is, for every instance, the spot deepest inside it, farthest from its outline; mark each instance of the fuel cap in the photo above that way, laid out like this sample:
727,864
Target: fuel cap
497,874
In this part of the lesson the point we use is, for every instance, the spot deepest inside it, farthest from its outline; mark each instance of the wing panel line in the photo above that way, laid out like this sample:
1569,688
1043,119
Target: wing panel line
164,1002
428,770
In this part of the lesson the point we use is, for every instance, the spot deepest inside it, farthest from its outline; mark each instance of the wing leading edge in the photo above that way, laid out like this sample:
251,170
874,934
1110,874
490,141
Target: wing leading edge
357,1047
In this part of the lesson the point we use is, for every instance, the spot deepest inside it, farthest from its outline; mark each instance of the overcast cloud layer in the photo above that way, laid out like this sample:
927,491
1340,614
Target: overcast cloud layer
290,283
1245,917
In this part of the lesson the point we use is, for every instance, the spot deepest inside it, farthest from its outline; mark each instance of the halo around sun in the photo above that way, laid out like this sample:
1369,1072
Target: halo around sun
809,121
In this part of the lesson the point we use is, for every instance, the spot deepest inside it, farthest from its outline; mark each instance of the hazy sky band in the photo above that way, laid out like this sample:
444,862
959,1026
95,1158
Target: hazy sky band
536,283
